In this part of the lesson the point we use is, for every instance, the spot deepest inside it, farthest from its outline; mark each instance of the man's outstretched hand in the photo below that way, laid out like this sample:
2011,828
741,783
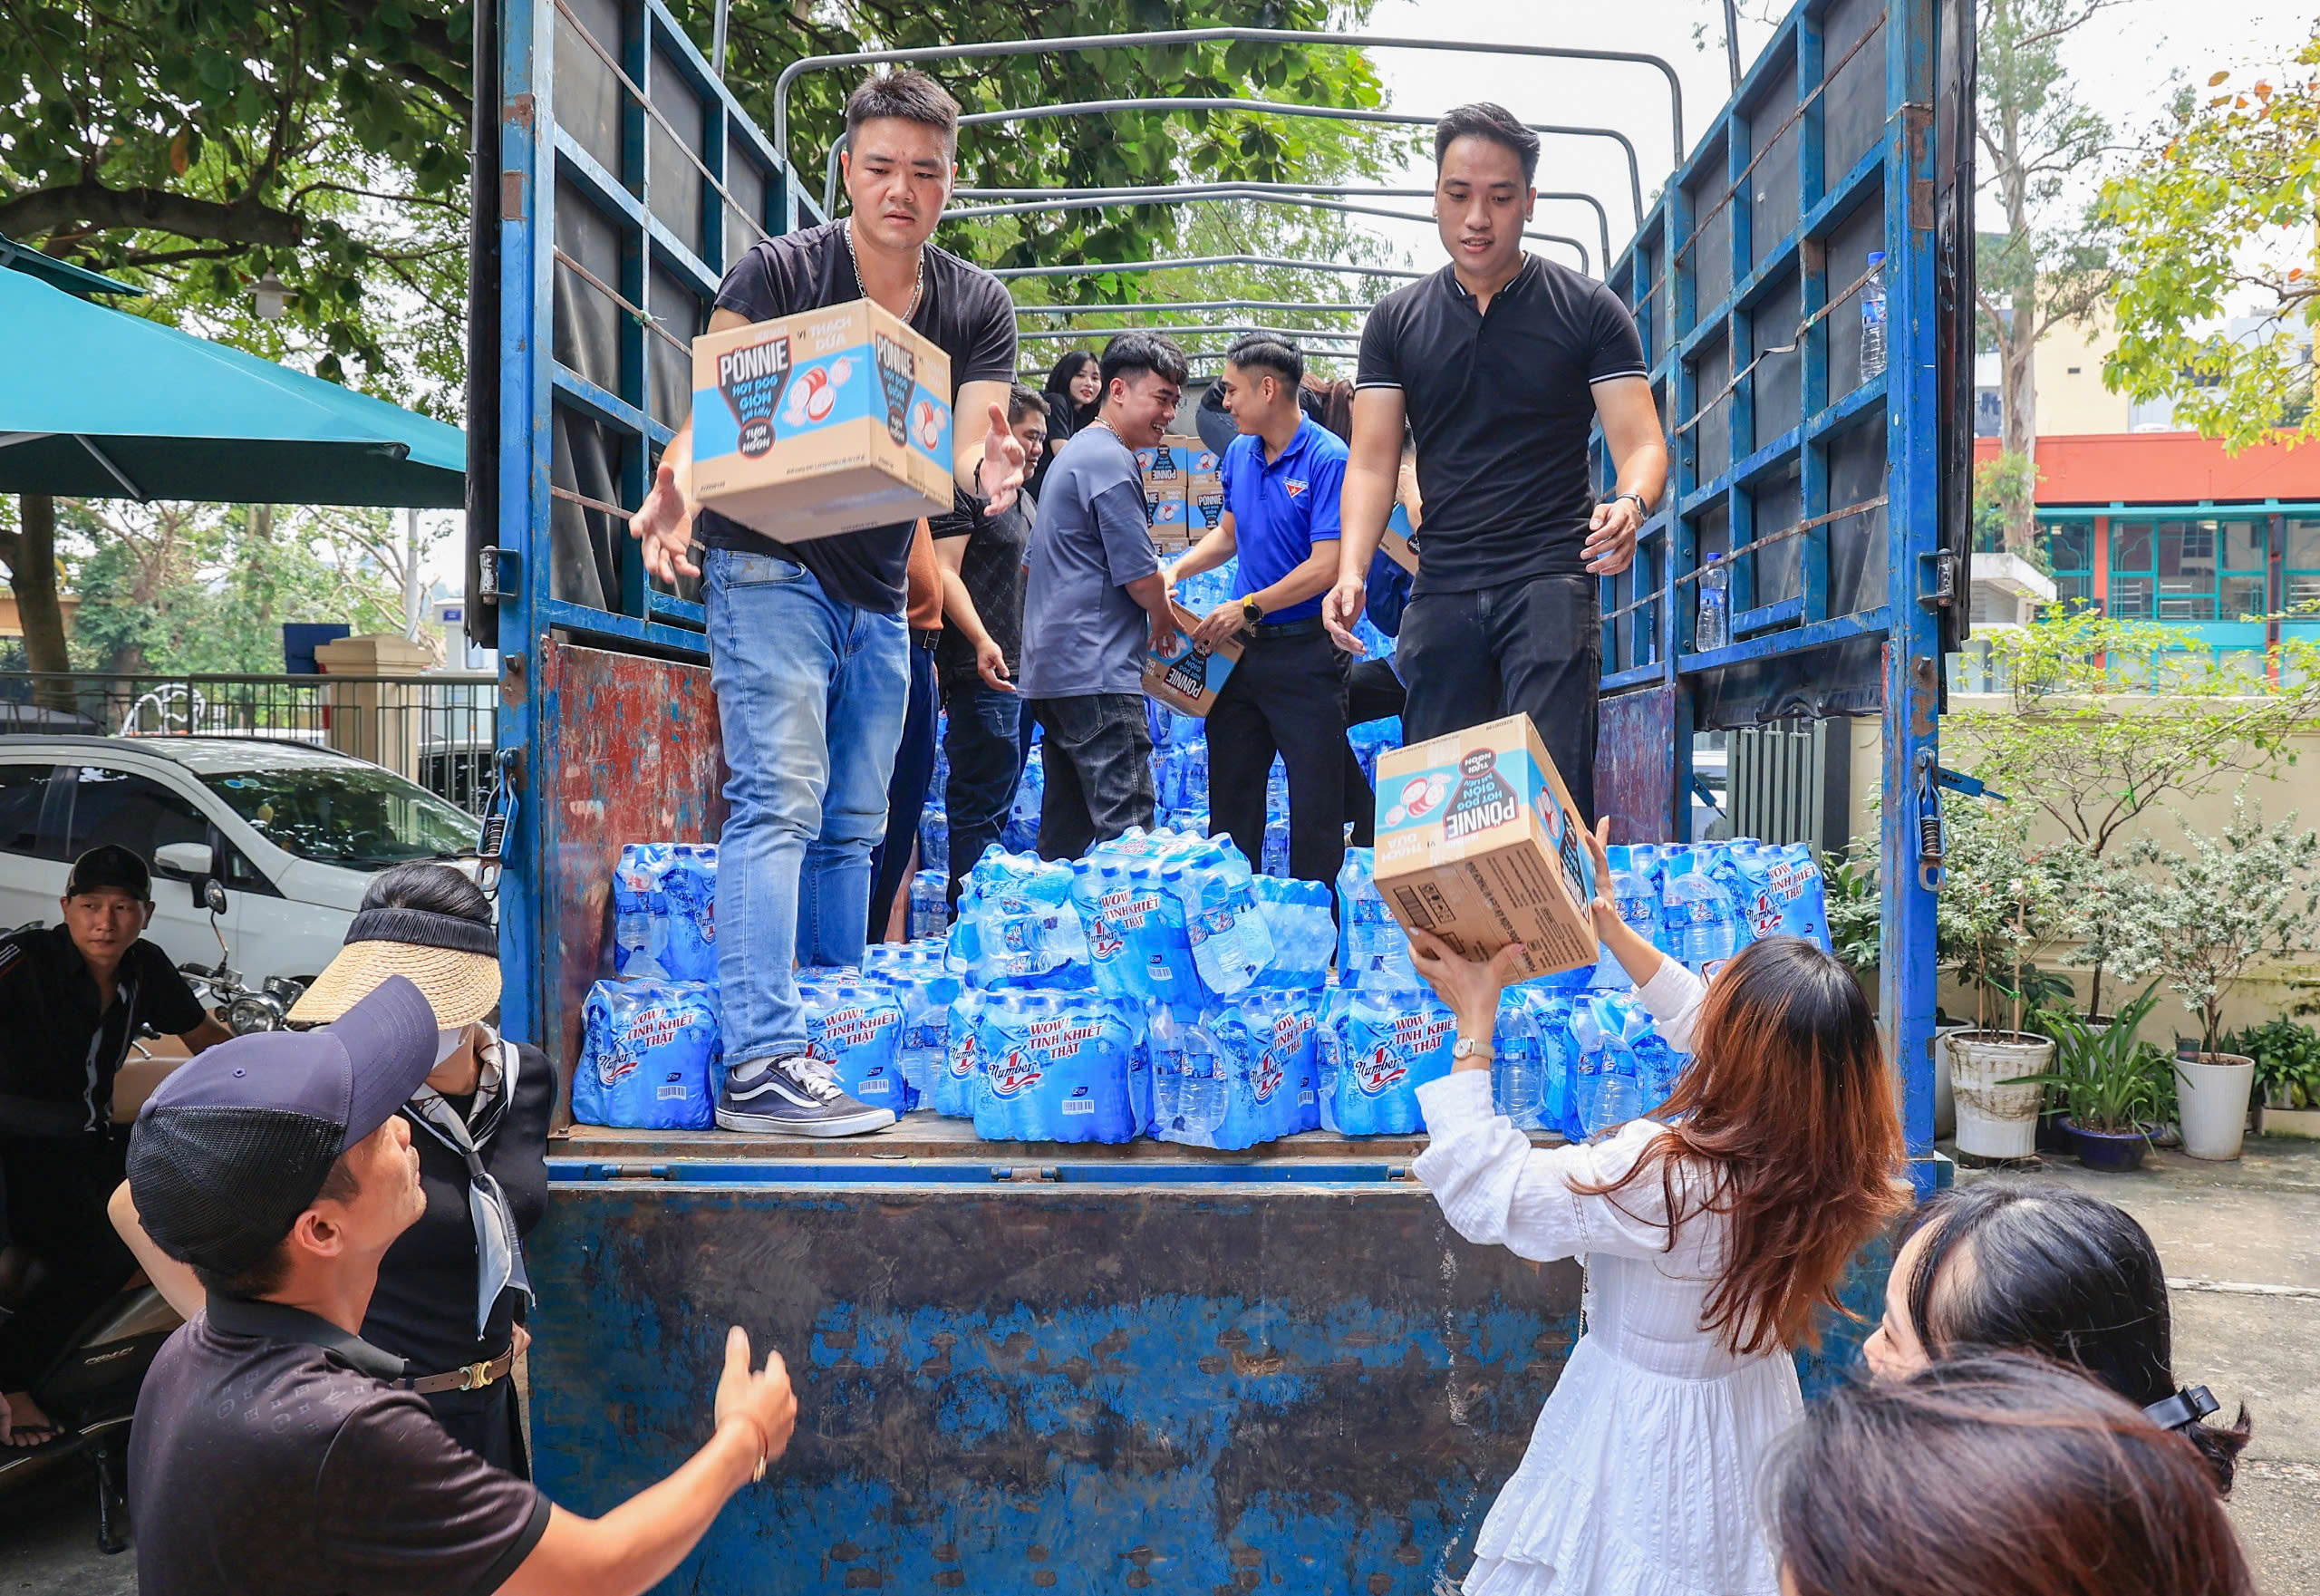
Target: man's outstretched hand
664,525
1001,474
1341,609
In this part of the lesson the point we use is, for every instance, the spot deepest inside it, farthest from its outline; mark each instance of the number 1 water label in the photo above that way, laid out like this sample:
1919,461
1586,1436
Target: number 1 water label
855,1027
688,890
649,1056
1266,1043
1055,1068
954,1084
1388,1041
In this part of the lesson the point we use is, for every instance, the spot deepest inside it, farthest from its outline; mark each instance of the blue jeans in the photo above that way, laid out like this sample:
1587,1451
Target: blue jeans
905,793
810,695
984,738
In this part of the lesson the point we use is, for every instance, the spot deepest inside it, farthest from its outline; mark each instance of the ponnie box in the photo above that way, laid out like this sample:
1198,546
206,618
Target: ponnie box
1163,470
1188,678
1204,492
1478,843
826,421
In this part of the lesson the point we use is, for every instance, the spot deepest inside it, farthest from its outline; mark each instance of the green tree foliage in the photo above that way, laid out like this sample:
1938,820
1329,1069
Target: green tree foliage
2106,719
2225,210
2044,265
2005,489
194,147
182,587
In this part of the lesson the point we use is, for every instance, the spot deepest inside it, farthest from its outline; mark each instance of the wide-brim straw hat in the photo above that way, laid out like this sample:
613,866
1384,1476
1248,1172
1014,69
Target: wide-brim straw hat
454,963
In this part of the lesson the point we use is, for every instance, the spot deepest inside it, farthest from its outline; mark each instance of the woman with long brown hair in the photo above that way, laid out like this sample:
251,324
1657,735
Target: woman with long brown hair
1996,1477
1713,1231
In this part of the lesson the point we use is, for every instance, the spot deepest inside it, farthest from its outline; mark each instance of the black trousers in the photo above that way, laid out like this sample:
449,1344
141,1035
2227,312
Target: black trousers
1098,770
57,1189
486,1423
1372,692
1286,696
1532,648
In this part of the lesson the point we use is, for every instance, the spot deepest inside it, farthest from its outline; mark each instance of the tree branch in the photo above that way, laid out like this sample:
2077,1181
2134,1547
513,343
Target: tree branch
430,34
90,203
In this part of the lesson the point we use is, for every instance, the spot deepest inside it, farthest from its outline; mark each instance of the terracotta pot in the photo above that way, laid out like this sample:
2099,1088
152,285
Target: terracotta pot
1995,1120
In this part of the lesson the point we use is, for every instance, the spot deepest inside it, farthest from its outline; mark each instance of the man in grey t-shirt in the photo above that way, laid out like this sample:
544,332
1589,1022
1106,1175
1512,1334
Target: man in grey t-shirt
1095,603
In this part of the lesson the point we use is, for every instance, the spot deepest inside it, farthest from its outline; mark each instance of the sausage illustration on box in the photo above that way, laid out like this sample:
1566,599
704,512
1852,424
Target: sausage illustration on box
826,421
1477,842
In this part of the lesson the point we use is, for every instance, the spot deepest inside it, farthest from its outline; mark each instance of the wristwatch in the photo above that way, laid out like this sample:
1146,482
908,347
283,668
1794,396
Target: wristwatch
1641,509
1251,611
1468,1046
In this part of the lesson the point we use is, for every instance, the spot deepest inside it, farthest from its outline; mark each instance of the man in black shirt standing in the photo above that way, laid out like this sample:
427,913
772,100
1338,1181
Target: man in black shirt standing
73,995
981,560
807,647
1499,363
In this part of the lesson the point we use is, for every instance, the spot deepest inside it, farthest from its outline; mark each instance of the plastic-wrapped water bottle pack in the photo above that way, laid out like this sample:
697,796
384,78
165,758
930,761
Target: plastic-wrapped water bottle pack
650,1056
664,911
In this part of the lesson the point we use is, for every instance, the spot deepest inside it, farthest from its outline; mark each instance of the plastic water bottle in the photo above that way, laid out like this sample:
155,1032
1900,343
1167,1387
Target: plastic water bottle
1634,897
1517,1086
1714,629
1188,1095
935,838
1297,912
687,902
1277,849
1872,317
634,881
1365,927
930,911
1608,1093
1702,919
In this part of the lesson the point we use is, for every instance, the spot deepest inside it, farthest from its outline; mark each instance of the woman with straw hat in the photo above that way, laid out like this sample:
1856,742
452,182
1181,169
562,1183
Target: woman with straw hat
452,1290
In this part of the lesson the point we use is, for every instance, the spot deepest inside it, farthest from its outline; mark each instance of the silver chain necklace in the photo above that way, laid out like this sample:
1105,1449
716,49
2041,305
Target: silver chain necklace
918,277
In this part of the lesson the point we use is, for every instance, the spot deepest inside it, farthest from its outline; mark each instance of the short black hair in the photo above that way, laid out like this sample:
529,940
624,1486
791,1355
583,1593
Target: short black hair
906,95
265,1277
439,889
1270,352
1482,120
1022,399
1135,352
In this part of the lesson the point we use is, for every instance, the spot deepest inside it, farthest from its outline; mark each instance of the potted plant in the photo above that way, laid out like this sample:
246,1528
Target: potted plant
2231,903
2288,1074
2110,1083
2105,721
2004,902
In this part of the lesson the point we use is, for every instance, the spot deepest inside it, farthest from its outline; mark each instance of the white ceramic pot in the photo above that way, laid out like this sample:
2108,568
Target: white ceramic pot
1995,1120
2211,1088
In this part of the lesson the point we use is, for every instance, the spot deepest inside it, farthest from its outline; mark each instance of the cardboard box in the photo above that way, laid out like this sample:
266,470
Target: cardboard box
1204,492
826,421
1163,470
1188,678
1478,843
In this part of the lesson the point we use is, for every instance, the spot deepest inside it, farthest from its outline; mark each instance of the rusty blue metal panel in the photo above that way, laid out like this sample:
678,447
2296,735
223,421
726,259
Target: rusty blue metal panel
628,751
1313,1387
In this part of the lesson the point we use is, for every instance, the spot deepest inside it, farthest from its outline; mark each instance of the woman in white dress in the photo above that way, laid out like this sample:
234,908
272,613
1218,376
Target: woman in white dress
1712,1231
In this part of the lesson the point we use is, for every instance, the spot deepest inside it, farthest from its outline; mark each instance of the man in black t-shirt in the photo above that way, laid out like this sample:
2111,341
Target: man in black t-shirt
807,647
981,559
73,995
274,1449
1499,363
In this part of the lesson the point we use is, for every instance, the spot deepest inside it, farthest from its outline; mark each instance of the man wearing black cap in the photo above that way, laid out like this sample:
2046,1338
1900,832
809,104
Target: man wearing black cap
276,1450
72,995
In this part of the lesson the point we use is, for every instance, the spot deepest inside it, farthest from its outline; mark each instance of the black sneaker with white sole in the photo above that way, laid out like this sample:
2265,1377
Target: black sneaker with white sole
795,1096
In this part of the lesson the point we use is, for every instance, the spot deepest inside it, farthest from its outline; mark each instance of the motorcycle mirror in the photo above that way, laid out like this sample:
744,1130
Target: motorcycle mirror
213,897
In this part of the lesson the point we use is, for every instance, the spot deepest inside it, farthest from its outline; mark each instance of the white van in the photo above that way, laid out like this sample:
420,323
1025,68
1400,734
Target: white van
293,832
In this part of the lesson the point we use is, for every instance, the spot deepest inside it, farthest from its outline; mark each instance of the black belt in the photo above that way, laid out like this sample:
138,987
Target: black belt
1283,631
926,637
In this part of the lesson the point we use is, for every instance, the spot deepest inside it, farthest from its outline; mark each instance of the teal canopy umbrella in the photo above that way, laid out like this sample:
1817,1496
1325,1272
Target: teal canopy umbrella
95,403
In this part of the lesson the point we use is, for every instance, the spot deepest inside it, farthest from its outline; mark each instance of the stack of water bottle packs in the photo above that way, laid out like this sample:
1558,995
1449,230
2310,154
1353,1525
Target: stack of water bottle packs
1159,987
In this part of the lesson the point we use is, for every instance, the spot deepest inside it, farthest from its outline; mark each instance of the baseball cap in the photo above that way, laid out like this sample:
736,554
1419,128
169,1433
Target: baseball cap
235,1144
111,865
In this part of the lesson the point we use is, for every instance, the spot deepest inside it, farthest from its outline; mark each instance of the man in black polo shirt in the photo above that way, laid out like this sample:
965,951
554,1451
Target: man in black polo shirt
1499,363
72,995
808,648
276,1452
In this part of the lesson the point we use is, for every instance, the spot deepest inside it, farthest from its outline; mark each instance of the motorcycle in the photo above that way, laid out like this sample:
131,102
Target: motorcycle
90,1392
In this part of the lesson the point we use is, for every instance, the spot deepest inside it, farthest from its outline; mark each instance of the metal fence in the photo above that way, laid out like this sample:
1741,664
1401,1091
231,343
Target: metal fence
439,729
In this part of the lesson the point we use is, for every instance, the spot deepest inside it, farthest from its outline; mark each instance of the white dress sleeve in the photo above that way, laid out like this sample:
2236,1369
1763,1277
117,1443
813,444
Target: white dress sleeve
1497,1190
1672,997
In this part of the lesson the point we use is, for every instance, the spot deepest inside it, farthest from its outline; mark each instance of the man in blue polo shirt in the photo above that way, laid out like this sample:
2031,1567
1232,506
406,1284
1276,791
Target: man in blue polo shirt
1287,696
